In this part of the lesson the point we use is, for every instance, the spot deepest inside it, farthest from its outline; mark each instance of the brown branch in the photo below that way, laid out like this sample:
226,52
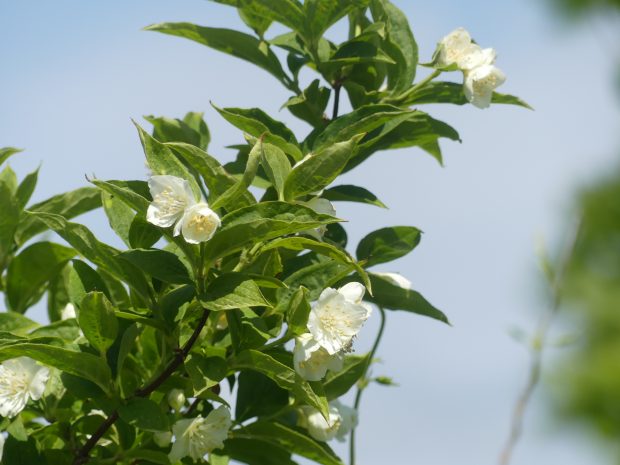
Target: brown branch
337,87
83,454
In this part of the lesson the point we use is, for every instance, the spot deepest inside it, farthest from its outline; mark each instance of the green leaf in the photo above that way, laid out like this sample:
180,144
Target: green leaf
358,50
144,414
276,166
97,252
31,269
159,264
80,364
418,130
257,123
349,193
142,234
262,222
258,395
69,205
6,152
287,12
451,92
390,296
16,323
319,169
321,14
310,105
82,280
9,219
126,191
162,160
323,248
290,439
216,178
235,43
282,375
254,452
400,45
26,188
337,384
192,129
9,179
98,321
298,312
120,215
256,17
233,290
387,244
241,187
315,278
362,120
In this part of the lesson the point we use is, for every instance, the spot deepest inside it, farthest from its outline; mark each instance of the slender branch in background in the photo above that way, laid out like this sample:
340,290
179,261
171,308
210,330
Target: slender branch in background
363,382
83,454
538,345
337,87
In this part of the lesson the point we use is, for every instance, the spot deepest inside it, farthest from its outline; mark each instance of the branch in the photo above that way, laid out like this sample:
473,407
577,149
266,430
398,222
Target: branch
337,87
83,454
538,346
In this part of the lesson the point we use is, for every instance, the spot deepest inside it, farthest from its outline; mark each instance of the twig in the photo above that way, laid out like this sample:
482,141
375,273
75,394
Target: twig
538,346
364,382
83,454
337,87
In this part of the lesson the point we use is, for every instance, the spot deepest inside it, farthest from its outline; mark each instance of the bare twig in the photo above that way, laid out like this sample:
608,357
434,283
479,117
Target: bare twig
537,347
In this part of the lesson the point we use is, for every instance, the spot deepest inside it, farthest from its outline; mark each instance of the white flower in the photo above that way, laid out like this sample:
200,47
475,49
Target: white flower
21,379
322,207
68,312
457,48
176,399
174,204
198,223
198,436
337,317
348,419
162,438
480,83
319,428
395,279
171,196
454,49
340,422
312,361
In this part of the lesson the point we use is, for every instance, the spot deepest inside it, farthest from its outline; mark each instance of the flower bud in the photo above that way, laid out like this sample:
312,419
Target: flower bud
162,439
176,399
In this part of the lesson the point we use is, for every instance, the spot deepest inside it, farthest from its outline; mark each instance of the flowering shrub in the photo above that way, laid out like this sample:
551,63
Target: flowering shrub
233,276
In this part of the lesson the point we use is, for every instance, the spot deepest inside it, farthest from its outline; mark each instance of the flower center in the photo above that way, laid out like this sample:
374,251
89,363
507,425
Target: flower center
169,203
13,383
202,223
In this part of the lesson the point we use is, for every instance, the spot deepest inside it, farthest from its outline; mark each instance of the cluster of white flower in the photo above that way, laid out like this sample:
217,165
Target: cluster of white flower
174,204
334,320
481,76
21,379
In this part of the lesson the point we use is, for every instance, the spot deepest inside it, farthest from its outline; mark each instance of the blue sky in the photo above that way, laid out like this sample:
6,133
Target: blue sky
75,72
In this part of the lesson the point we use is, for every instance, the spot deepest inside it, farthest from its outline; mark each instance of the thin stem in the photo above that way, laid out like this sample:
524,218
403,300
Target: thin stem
82,455
538,345
414,88
364,382
337,87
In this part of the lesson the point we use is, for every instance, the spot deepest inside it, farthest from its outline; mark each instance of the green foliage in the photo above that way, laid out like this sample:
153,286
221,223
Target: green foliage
587,378
212,287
